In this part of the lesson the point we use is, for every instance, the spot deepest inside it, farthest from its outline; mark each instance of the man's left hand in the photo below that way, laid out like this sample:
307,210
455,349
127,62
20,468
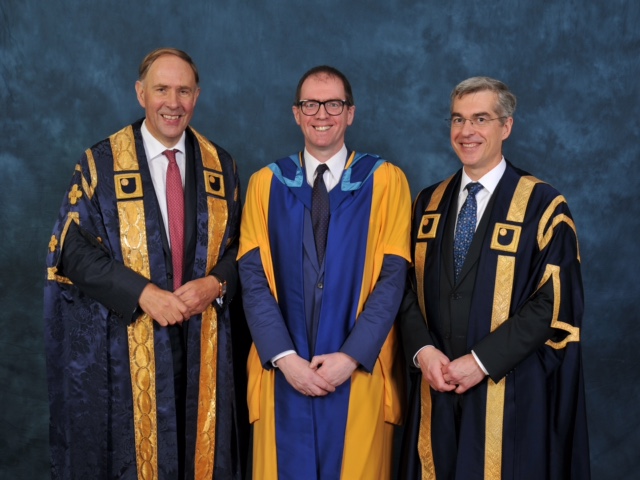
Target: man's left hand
336,368
463,372
198,294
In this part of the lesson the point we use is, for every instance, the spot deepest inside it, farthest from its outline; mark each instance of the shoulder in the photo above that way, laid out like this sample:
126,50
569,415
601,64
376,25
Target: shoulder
439,189
540,190
226,159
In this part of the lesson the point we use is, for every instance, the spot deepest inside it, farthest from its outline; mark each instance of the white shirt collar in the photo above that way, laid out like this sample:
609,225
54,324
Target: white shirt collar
489,180
153,147
336,166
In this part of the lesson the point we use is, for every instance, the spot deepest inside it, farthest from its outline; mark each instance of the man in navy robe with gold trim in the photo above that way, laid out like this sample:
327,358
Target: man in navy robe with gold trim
141,380
494,332
325,386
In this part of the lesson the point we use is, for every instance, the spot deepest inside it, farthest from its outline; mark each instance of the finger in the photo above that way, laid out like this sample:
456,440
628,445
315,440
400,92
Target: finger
317,361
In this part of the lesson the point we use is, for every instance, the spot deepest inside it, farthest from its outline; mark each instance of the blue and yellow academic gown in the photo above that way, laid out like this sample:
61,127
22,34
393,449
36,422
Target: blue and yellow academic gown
346,434
525,420
111,390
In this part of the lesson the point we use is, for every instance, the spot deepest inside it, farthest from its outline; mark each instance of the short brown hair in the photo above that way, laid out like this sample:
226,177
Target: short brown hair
331,72
159,52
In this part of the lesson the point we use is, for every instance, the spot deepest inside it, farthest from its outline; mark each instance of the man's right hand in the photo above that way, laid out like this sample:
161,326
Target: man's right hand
163,306
431,361
302,377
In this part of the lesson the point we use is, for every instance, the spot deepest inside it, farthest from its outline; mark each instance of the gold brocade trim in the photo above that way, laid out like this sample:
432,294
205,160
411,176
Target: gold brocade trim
573,333
544,237
143,381
206,435
520,199
494,420
501,233
420,258
430,222
214,183
210,159
75,194
436,197
142,363
425,449
133,240
52,272
505,272
128,186
494,426
89,188
123,146
133,236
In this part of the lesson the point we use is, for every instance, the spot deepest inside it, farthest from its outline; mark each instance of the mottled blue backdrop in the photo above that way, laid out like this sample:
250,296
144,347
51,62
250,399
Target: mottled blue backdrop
67,70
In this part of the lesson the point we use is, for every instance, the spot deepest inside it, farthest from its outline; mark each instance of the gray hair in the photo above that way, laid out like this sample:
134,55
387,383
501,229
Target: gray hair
506,106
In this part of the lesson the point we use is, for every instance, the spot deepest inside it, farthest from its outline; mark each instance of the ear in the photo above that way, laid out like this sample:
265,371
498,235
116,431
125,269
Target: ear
351,113
140,93
296,114
506,128
196,95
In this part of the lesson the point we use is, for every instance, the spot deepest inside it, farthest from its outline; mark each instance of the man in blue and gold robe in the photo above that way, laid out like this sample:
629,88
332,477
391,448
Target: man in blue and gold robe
140,371
325,386
493,328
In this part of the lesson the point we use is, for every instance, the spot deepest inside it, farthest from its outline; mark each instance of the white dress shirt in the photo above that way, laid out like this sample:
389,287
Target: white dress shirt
336,166
158,164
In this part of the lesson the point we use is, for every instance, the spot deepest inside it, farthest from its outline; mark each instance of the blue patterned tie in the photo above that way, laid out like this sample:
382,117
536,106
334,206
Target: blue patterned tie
320,211
465,228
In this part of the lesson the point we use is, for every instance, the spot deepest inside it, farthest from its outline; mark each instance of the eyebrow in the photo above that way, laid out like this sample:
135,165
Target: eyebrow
475,115
180,87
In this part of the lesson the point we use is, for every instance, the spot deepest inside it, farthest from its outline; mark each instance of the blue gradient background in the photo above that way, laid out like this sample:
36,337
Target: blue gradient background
67,70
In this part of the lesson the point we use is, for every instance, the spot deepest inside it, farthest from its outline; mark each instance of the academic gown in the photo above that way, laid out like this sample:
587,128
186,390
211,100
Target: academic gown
110,372
348,303
518,305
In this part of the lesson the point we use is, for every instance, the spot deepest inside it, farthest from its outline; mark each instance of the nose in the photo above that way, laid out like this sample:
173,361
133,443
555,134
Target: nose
468,126
322,112
172,99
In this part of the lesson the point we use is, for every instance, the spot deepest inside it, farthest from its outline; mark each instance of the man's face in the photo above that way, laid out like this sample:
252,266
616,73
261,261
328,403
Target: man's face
479,147
168,95
323,133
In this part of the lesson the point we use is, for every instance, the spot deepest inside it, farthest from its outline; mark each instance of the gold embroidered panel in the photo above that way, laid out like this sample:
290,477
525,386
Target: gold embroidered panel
135,254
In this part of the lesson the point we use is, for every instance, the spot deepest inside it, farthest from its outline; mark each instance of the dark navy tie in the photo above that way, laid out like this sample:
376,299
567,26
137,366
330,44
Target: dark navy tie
320,211
465,228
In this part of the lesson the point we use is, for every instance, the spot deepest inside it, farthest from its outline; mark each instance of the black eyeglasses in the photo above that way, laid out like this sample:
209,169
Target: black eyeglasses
332,107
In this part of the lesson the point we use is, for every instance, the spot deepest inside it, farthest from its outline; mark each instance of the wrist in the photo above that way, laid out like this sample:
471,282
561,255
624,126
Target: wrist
222,287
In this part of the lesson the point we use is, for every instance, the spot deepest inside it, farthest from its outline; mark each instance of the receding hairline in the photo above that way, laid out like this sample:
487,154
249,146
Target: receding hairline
151,58
326,71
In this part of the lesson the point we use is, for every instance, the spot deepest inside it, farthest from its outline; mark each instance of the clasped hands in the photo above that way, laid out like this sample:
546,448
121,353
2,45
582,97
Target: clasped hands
444,375
171,308
319,377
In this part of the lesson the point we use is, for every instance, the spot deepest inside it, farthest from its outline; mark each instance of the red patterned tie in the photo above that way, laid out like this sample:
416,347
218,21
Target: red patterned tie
175,209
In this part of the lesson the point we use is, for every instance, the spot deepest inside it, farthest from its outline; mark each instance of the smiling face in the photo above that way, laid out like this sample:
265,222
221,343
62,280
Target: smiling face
168,94
323,133
479,148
